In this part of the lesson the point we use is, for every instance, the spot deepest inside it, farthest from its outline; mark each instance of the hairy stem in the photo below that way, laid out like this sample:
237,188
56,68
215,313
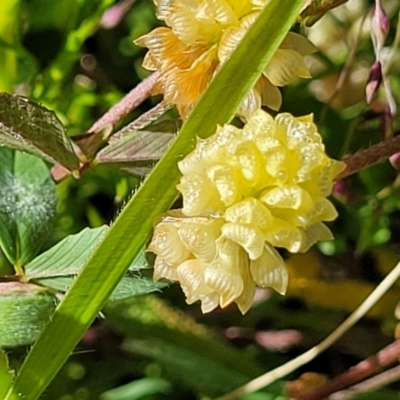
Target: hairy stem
383,379
129,102
373,155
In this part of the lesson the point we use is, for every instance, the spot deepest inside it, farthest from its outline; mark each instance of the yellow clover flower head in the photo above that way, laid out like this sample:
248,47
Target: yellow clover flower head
200,36
245,192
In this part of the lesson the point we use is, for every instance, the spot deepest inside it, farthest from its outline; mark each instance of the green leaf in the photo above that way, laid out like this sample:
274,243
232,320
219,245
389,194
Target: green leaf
6,375
58,267
132,285
136,151
196,371
27,205
68,256
138,389
173,338
129,286
133,226
30,127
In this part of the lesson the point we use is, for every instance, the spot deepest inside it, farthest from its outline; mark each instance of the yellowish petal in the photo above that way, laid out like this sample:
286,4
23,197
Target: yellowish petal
249,211
229,41
163,8
250,160
209,302
310,158
260,126
183,22
298,132
244,7
269,270
184,86
285,66
277,165
245,300
210,151
270,94
233,35
167,245
327,175
217,11
293,197
164,47
283,234
164,270
200,238
248,236
228,285
260,4
149,62
298,43
223,274
191,277
250,104
323,210
327,210
314,234
227,182
199,195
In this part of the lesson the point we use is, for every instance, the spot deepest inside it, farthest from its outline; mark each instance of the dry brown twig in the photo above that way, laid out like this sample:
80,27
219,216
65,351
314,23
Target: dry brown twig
383,379
370,156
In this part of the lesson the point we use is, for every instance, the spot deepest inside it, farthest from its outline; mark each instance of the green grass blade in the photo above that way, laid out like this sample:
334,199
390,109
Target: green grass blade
132,228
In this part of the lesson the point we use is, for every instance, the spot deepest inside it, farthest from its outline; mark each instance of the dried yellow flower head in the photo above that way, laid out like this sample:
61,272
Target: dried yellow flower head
200,36
245,192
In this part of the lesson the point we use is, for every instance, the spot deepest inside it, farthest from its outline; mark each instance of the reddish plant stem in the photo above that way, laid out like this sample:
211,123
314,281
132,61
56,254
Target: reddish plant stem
129,102
374,154
383,358
383,379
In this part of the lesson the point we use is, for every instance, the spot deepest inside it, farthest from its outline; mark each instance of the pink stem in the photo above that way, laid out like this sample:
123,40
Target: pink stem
136,96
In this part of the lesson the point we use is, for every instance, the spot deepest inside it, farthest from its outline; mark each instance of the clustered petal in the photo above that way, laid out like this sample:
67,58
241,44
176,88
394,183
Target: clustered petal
245,192
200,36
